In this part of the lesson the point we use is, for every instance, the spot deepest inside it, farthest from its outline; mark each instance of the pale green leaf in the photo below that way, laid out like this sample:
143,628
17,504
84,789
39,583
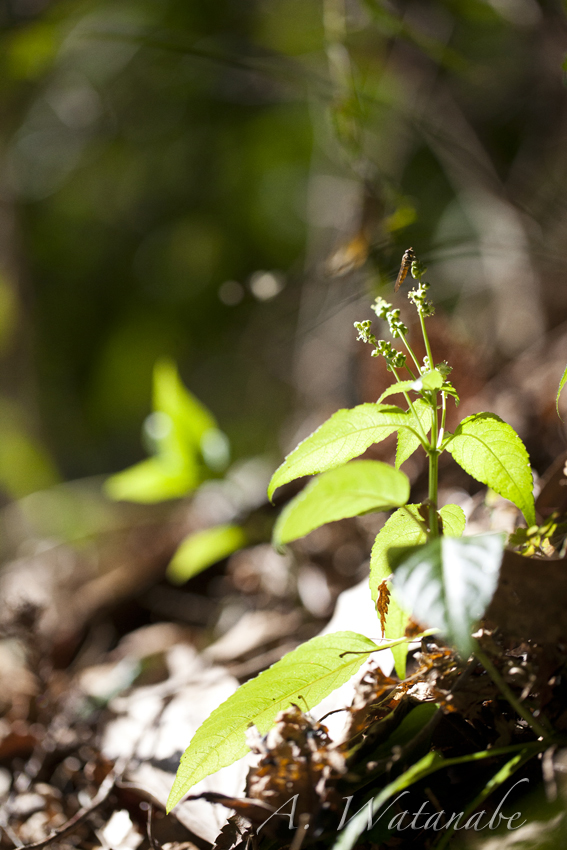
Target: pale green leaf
454,520
449,582
562,383
407,528
402,386
491,451
432,380
153,480
408,442
180,425
306,675
202,549
356,488
189,419
448,389
397,620
404,528
346,435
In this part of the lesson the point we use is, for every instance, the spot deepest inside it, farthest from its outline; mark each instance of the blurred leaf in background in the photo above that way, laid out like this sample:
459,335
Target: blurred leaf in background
185,440
202,549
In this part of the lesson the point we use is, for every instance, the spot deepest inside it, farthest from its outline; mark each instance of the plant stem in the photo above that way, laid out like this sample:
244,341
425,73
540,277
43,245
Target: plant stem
520,709
436,437
426,340
412,355
424,441
443,414
433,477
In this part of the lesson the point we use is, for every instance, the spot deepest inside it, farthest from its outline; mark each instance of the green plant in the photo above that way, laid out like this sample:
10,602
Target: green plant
187,449
420,564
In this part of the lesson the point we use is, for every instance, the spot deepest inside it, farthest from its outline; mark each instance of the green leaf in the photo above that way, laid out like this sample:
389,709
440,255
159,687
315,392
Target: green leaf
407,528
491,451
454,520
402,386
153,480
357,488
407,440
309,673
347,434
202,549
562,383
449,389
404,528
432,380
449,582
189,419
182,429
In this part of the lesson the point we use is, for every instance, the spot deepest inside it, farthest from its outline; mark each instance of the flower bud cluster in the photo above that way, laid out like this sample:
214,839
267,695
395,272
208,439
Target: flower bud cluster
418,269
419,298
393,357
385,311
364,334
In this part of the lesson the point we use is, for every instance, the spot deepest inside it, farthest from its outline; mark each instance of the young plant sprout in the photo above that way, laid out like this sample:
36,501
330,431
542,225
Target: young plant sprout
420,567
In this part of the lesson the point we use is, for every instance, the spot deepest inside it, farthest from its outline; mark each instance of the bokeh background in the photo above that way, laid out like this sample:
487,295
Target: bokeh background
227,183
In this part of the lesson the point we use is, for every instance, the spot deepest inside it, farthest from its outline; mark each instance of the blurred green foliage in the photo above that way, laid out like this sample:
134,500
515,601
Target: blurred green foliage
157,157
183,437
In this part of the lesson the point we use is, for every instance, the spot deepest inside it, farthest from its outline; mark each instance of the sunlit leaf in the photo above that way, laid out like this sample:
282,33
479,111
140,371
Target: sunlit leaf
404,528
152,480
449,582
180,428
453,520
432,380
346,435
402,386
408,442
491,451
190,420
562,383
350,490
202,549
308,674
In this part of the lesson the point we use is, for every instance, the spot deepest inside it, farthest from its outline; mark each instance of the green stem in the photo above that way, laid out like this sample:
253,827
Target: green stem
435,440
426,340
520,709
443,414
495,782
423,439
412,355
433,478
